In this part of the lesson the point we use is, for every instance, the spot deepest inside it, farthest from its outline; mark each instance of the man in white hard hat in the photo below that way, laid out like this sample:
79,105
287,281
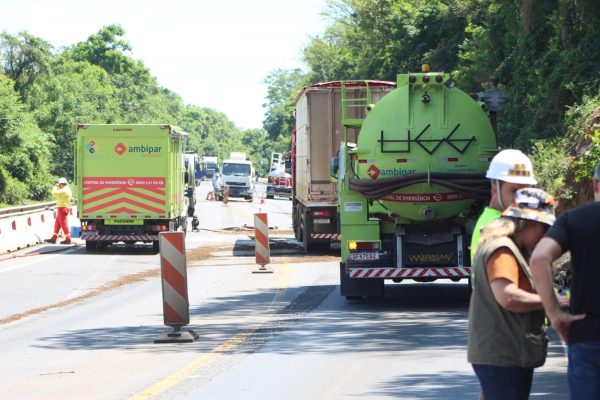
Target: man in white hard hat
63,196
509,171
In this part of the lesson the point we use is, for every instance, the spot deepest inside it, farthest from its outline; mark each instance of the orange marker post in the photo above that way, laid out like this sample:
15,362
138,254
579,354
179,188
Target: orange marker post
173,271
261,243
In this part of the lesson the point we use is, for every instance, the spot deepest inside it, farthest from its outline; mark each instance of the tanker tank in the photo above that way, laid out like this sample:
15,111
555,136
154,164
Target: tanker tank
424,149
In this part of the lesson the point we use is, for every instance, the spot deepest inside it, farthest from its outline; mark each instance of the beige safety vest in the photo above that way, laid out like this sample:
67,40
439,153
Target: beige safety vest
498,336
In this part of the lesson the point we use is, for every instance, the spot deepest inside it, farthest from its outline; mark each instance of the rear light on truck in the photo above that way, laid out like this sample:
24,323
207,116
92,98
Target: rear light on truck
322,214
363,246
160,228
88,228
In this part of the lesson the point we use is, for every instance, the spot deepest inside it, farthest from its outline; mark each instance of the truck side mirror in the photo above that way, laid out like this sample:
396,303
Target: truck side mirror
334,167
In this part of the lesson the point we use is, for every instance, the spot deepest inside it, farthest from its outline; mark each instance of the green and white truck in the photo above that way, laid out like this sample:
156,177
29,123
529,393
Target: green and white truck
132,183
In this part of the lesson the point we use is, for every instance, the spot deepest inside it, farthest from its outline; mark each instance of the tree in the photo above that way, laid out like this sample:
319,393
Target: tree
25,58
283,86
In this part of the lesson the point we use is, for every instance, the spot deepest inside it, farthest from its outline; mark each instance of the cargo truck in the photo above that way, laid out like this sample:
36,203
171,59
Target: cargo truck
132,183
316,139
412,184
208,166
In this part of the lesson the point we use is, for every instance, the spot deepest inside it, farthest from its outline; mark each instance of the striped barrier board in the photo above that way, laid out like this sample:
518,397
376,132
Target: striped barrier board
173,271
455,272
261,242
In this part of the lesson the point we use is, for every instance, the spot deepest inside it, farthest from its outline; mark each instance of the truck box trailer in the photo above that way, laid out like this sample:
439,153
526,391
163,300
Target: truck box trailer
132,183
317,137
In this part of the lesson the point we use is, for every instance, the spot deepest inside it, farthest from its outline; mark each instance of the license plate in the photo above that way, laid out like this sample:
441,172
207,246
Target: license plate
89,233
364,256
321,220
124,221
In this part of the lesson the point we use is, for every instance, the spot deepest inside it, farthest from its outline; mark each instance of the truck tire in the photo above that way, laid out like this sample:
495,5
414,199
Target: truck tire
91,246
155,247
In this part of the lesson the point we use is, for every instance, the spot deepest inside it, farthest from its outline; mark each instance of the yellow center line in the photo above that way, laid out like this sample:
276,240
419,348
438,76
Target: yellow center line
180,375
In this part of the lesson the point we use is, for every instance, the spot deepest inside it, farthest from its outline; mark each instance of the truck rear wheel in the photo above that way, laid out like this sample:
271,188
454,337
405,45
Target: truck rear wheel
155,247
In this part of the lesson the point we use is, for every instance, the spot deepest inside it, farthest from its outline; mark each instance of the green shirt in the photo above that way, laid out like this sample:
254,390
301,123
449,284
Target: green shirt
489,214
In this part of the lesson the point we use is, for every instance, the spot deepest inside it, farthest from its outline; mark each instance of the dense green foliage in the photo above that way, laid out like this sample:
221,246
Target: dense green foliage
544,54
45,93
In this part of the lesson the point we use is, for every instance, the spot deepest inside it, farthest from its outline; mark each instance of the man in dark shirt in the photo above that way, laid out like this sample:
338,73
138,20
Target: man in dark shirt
577,231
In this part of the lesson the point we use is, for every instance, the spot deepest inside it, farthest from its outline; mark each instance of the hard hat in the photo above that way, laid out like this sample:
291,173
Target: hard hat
532,204
62,180
511,166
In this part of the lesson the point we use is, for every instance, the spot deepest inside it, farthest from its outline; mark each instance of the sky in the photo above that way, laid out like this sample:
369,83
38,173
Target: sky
214,54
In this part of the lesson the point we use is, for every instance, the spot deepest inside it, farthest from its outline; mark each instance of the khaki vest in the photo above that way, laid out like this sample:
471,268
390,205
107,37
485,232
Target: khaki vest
497,336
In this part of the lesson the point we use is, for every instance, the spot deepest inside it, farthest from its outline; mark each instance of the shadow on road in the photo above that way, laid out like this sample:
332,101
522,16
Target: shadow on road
430,318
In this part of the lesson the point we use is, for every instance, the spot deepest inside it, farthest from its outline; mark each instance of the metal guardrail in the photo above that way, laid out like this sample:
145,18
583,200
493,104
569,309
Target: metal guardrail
23,210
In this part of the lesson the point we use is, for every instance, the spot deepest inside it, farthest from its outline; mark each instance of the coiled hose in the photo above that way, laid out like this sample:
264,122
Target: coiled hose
472,185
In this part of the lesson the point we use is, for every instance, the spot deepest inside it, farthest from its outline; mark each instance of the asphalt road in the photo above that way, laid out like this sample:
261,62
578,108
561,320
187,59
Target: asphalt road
78,325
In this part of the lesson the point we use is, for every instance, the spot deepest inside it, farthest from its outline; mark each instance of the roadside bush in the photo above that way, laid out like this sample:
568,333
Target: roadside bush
15,192
39,187
3,177
20,166
550,164
583,123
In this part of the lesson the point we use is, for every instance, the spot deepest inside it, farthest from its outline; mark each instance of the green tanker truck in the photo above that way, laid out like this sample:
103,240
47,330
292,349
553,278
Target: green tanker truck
132,183
412,185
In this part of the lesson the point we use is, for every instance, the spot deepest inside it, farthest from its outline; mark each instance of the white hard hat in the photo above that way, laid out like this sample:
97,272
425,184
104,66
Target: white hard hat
62,180
511,166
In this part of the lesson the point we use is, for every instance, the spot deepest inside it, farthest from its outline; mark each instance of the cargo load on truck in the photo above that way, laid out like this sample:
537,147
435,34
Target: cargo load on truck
412,184
279,183
132,183
316,139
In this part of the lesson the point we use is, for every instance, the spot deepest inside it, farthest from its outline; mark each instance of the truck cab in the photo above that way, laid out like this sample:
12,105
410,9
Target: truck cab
238,175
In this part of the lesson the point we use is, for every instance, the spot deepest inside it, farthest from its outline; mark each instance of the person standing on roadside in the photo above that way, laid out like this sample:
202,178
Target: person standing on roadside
577,231
63,196
507,335
509,171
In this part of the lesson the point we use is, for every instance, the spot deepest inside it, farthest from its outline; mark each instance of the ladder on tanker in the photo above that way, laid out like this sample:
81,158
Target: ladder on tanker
357,98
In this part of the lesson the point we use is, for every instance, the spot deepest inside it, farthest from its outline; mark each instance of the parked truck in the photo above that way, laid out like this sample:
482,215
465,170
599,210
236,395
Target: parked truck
192,161
316,139
208,166
237,175
412,184
132,183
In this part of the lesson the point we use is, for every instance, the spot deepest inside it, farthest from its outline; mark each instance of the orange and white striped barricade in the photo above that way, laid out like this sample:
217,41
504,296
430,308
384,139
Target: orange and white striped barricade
225,194
261,243
176,308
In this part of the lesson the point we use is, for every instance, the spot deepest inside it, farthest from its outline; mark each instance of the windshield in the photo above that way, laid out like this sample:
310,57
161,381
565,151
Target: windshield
236,169
211,165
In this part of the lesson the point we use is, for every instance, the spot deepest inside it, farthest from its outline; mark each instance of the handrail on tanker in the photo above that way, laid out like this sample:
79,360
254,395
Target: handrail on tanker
356,102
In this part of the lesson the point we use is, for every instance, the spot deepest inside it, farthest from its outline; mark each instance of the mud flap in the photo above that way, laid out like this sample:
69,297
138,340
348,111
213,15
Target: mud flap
357,288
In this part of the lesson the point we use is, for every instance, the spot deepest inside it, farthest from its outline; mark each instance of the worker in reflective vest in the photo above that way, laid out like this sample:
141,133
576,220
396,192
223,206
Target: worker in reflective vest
63,196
